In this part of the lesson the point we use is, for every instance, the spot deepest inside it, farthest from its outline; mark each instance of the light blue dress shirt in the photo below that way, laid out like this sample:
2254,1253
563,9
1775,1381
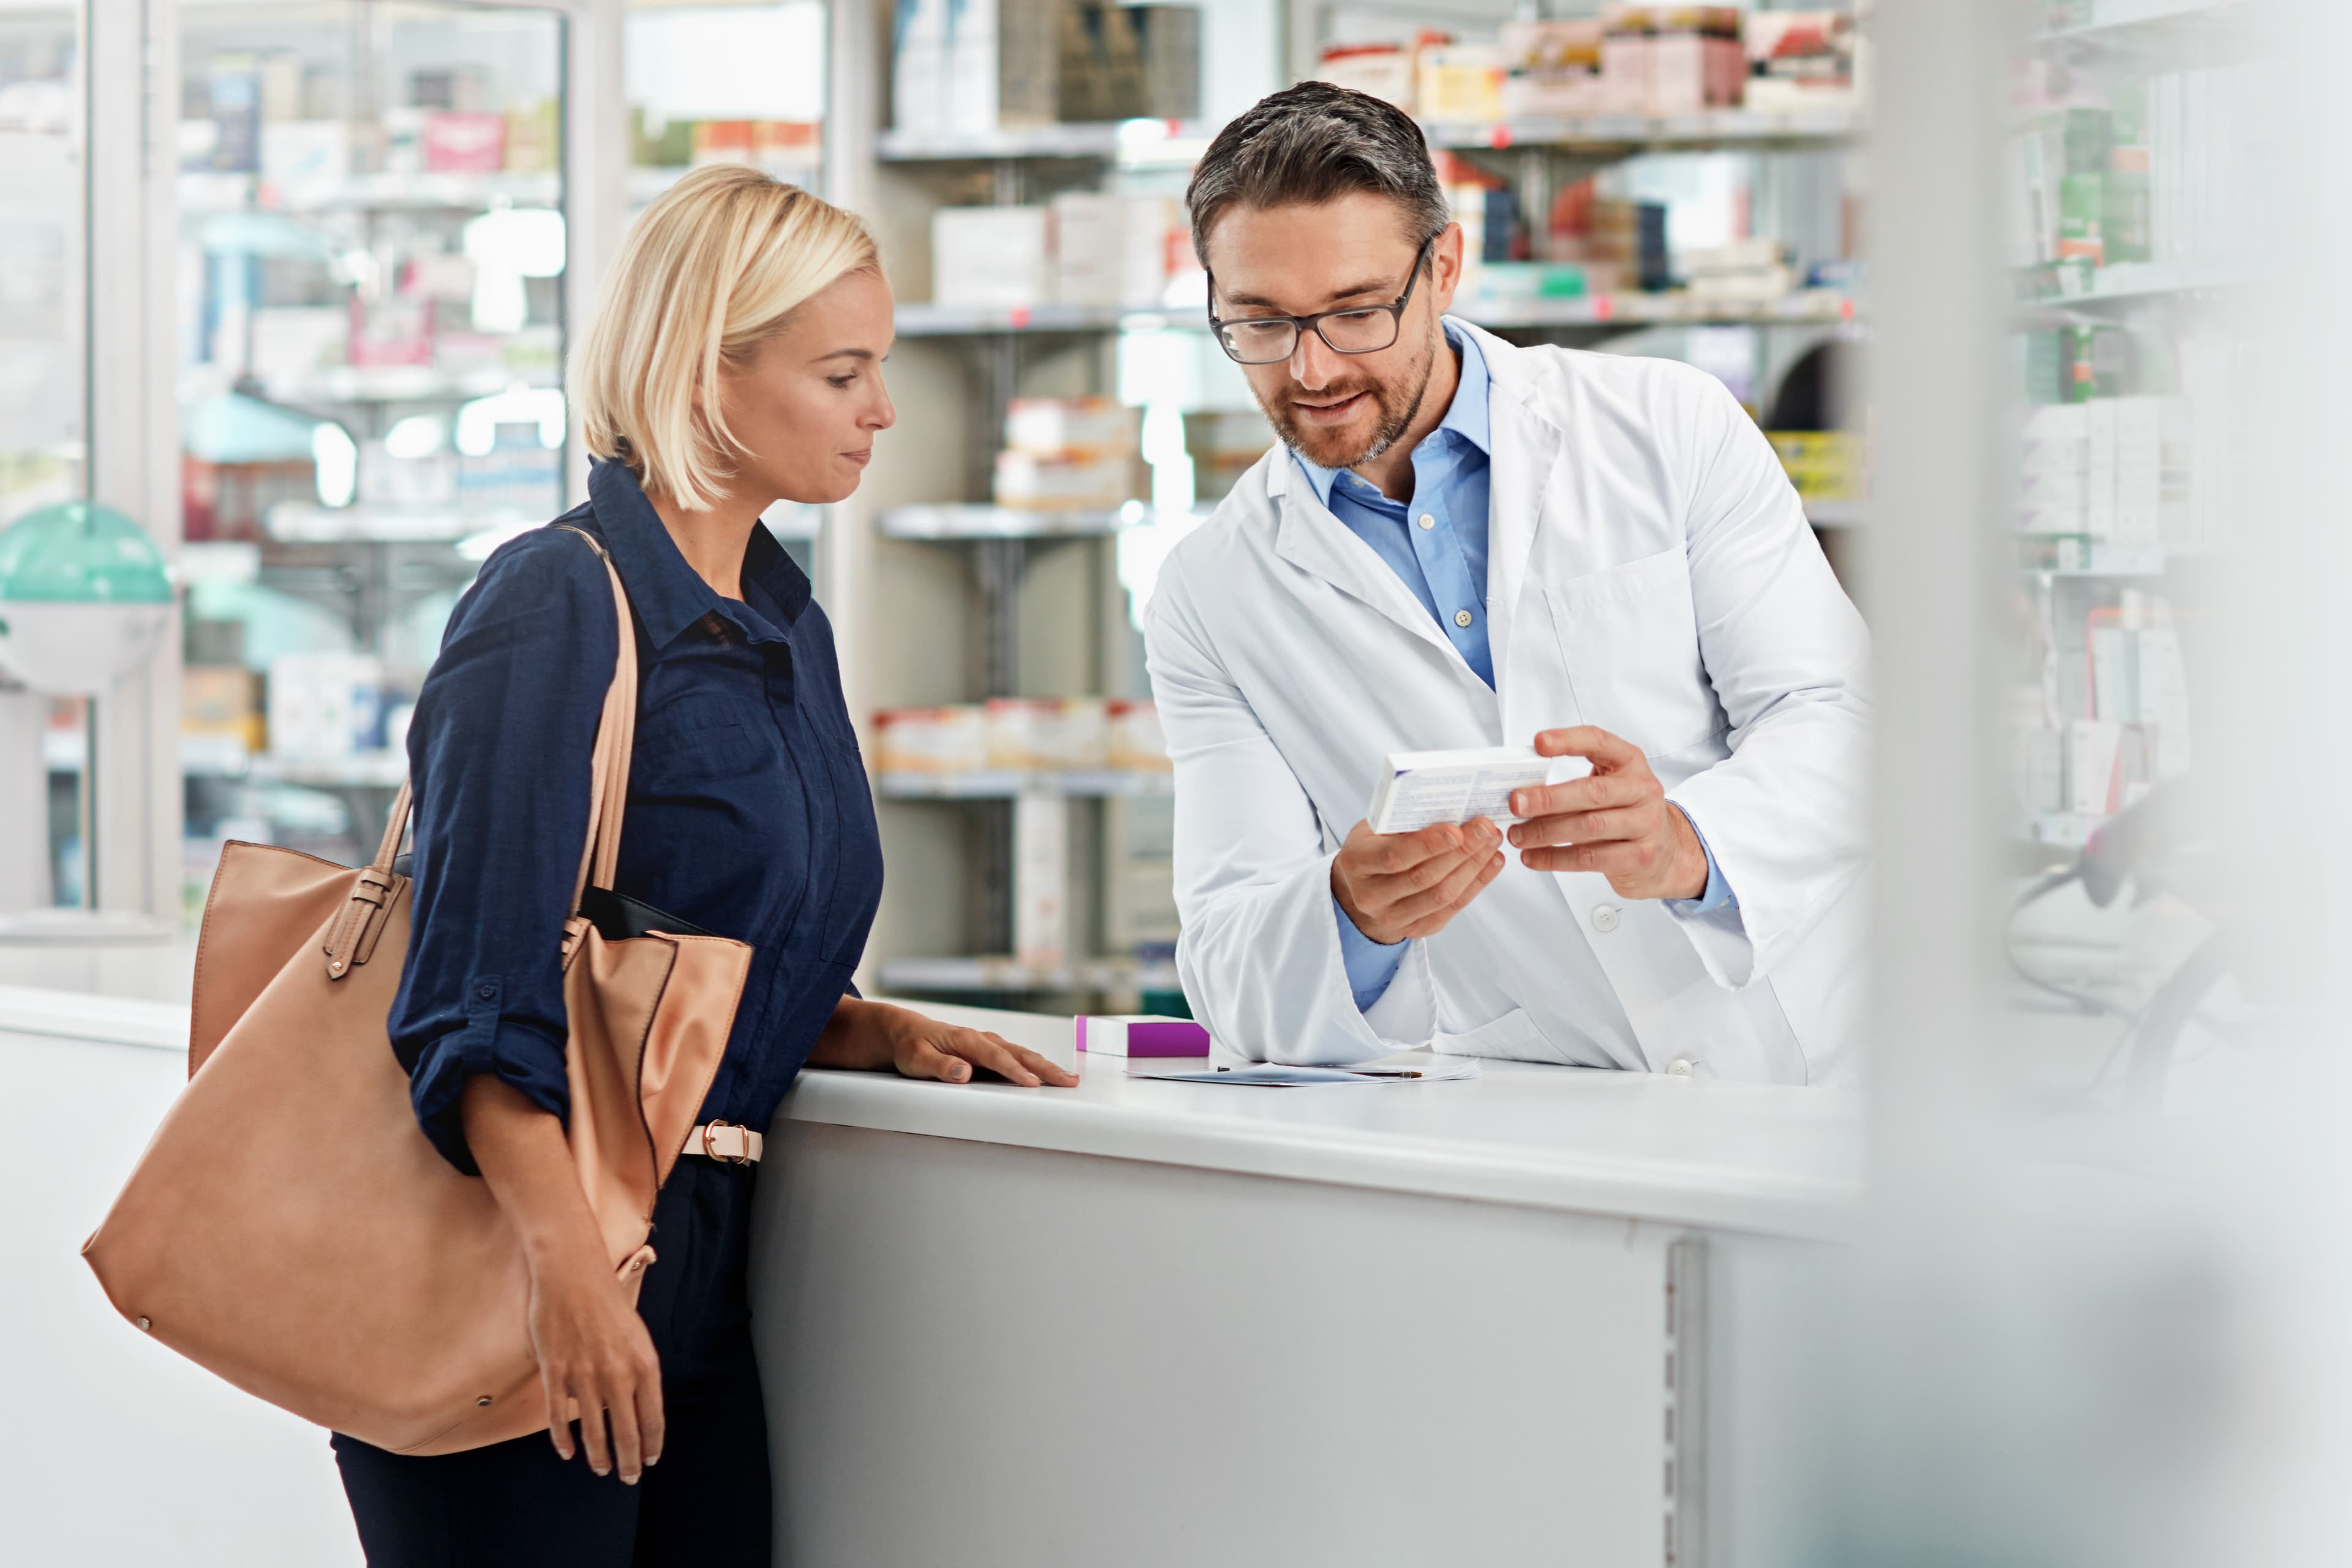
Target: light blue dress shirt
1436,544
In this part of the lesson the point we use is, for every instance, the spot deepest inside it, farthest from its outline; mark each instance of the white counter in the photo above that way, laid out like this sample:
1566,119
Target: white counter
1509,1319
1765,1159
1146,1323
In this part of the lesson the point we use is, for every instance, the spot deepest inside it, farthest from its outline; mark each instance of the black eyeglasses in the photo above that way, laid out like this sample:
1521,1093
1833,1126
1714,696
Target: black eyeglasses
1358,330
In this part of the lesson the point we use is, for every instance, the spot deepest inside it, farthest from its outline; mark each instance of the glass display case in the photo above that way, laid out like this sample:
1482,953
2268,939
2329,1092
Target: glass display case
44,407
371,319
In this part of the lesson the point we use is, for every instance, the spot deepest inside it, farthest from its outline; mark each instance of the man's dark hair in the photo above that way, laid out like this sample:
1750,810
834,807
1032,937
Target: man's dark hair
1312,143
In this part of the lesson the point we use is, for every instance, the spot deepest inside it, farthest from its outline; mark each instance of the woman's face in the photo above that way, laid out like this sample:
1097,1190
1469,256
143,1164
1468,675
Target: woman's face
806,406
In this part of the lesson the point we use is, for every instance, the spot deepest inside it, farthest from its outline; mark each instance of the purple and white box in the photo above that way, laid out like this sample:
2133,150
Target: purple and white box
1143,1035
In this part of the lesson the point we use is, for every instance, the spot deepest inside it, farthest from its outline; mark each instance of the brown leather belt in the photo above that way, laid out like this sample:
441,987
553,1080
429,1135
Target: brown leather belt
728,1142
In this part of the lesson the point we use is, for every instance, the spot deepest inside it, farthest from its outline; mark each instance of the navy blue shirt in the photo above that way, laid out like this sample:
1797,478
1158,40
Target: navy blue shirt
748,814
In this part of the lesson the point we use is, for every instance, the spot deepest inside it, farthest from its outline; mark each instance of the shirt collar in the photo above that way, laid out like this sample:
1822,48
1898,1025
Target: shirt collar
1466,416
669,595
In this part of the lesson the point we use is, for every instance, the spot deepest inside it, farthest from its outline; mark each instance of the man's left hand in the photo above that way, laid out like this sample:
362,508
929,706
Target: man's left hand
1616,821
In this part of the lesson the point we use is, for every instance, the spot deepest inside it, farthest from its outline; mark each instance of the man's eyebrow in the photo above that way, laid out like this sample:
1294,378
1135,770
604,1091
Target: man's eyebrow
1380,287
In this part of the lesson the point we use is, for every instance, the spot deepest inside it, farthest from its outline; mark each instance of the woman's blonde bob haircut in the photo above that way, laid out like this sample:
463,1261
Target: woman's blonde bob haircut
707,274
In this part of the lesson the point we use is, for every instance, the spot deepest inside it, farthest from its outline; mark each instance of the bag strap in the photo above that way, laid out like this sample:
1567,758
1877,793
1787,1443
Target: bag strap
608,783
350,938
616,734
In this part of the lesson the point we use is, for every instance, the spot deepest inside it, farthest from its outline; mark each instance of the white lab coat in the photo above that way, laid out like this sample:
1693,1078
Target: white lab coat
1648,571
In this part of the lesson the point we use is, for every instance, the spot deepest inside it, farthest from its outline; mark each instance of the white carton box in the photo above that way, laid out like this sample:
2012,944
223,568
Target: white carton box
994,258
1040,873
1421,789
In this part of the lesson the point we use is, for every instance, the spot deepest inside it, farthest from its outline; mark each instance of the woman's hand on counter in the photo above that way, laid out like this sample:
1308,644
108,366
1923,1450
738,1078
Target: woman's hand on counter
874,1036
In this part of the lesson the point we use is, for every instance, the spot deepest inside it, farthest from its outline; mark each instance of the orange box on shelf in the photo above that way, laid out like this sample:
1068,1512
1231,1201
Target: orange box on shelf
950,738
1136,743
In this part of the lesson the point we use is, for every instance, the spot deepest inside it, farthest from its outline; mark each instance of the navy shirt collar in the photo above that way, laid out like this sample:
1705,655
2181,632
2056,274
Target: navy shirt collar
669,595
1466,416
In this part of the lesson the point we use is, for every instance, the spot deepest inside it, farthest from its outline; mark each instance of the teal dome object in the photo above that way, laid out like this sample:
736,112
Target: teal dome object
79,552
85,598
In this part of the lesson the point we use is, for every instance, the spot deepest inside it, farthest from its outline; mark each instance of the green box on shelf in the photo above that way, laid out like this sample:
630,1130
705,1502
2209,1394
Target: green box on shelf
2081,214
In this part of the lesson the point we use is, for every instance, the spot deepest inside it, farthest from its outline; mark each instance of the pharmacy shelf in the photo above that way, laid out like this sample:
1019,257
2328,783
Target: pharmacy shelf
1808,307
964,522
399,384
1133,144
421,191
2141,25
1005,784
2106,559
225,757
1828,124
922,320
304,522
2131,283
201,757
1154,144
360,770
1005,973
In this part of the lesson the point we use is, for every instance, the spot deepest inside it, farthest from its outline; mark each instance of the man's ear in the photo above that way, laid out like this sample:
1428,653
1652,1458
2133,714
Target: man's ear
1446,267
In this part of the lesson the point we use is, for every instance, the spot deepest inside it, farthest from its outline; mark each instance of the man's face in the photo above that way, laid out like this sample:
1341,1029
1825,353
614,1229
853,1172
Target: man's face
1336,410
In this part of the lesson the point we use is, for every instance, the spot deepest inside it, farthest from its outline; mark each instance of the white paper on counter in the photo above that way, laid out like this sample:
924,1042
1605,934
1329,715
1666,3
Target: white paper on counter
1408,1068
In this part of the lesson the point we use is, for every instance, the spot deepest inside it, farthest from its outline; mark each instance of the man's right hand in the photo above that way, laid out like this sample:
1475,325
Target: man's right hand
1404,885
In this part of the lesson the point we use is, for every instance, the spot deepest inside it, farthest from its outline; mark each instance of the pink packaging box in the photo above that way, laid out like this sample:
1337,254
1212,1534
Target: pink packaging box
465,143
1141,1035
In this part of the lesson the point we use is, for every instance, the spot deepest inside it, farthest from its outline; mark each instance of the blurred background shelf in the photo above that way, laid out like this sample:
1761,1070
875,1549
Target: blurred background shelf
1812,307
206,192
972,521
1133,144
2204,28
1009,975
1006,784
1828,125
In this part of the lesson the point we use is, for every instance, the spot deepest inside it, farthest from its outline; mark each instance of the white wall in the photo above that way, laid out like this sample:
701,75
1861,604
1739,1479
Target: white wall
112,1449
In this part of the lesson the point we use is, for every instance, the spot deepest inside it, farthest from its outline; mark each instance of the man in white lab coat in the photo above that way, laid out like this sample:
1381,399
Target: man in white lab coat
1464,543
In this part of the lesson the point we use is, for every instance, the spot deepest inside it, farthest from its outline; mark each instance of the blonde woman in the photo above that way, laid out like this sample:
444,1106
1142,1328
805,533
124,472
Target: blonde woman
735,359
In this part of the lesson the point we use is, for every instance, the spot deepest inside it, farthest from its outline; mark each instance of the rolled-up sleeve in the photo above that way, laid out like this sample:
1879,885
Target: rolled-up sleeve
498,753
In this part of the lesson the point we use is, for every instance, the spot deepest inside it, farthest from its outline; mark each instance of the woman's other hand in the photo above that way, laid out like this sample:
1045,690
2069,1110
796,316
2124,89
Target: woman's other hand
873,1035
593,1348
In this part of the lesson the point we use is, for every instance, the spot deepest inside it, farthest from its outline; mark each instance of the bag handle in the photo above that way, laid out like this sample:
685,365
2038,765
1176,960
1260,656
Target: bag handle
617,735
608,779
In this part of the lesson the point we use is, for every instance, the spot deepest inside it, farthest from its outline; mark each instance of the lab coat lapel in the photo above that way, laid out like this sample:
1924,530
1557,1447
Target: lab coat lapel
1526,447
1312,540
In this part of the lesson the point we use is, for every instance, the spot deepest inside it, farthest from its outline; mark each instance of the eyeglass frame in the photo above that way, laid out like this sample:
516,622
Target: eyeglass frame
1301,325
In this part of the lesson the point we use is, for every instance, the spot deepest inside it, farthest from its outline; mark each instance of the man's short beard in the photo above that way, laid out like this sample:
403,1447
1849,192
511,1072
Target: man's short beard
1395,418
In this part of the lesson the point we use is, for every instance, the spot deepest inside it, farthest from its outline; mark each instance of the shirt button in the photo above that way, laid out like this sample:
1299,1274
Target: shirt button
1427,521
1604,917
1679,1068
485,992
1462,617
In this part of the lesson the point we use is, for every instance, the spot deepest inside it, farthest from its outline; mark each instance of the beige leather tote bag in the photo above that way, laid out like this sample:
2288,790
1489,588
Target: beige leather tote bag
291,1228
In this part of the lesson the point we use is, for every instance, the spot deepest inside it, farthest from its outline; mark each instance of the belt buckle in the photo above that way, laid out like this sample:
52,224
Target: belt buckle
711,1153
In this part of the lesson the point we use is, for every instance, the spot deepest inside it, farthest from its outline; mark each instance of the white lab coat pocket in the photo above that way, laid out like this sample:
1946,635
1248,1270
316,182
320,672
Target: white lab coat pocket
1630,636
1513,1036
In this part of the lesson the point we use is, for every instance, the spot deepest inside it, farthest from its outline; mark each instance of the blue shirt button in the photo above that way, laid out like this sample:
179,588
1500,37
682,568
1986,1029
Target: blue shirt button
485,992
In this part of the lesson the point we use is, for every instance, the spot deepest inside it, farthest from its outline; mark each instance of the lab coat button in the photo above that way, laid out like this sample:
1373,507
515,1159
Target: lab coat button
1604,917
1461,617
1679,1068
1427,522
